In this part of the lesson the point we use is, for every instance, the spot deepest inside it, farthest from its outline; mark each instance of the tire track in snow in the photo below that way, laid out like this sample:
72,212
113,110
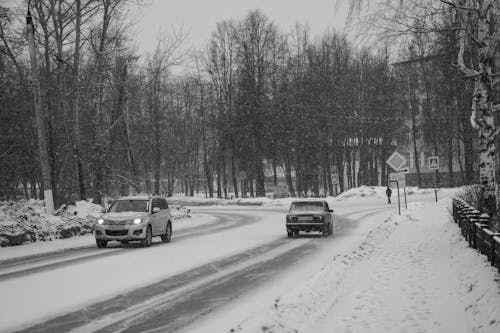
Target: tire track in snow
12,268
145,299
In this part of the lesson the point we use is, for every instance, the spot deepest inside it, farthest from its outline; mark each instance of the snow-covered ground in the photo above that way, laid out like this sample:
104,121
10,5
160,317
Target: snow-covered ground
380,272
412,273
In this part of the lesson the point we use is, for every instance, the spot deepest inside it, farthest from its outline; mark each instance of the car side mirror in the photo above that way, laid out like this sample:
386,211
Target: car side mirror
330,210
156,209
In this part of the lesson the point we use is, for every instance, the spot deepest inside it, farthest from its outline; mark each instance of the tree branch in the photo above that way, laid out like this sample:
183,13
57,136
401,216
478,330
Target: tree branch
460,57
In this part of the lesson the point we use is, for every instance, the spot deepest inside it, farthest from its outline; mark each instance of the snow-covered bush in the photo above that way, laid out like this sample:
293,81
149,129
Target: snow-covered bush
25,221
472,195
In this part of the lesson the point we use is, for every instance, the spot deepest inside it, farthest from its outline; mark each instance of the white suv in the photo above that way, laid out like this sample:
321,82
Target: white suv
134,218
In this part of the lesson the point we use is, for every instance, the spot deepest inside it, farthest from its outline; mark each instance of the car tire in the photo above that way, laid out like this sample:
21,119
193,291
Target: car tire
295,234
325,231
167,236
101,243
146,242
290,234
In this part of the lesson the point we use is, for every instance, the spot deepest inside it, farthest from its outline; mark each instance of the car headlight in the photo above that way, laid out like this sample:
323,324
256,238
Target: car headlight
137,221
100,221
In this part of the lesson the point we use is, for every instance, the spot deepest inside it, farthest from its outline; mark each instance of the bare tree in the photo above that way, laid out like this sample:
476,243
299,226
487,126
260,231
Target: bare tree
168,53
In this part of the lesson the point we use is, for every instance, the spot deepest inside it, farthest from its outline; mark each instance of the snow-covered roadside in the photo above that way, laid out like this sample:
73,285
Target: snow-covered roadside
413,273
181,221
24,221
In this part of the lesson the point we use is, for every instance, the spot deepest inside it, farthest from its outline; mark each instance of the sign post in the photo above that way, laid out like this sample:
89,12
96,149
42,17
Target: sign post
400,180
397,162
434,165
404,191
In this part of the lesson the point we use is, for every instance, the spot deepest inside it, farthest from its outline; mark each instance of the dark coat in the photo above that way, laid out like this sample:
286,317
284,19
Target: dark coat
388,192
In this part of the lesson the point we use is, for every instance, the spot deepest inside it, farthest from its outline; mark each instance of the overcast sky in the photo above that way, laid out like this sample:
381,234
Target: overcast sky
199,17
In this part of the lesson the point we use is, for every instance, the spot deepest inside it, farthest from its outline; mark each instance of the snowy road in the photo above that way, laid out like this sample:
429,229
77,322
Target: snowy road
205,271
10,268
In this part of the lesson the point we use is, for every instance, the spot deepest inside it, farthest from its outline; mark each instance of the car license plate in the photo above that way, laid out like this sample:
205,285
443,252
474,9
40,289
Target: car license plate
115,227
305,218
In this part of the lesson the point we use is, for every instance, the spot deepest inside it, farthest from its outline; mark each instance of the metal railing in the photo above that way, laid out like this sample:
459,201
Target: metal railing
476,229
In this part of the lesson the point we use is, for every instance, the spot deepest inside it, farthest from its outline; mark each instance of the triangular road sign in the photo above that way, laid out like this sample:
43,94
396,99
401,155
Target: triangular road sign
434,162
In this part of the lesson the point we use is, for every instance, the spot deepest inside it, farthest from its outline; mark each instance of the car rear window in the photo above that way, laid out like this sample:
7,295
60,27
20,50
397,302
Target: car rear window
129,206
307,207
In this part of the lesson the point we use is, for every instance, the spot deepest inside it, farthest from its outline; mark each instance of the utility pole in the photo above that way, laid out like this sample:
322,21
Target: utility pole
40,124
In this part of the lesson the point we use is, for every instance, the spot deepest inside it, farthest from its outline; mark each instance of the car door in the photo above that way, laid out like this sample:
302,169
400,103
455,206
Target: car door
155,217
165,215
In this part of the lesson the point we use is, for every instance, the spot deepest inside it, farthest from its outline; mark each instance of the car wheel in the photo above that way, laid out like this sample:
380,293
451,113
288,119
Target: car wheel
325,231
146,242
101,243
167,236
295,234
290,234
331,228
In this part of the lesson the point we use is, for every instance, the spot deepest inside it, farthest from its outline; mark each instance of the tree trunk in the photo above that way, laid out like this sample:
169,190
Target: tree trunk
233,173
483,96
450,162
40,122
288,173
75,105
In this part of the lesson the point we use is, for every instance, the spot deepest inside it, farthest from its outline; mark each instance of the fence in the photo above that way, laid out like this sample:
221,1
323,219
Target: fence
475,228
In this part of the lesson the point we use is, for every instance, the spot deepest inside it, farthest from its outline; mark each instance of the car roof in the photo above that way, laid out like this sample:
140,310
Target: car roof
309,200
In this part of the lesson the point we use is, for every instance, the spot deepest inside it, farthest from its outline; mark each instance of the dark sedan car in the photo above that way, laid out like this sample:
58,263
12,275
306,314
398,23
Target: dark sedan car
309,215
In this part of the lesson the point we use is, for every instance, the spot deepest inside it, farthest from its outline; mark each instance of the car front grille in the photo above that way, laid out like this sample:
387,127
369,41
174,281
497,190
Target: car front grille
116,232
111,222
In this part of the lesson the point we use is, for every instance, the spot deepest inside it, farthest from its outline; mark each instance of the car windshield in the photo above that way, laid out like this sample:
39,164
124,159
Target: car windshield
129,206
307,207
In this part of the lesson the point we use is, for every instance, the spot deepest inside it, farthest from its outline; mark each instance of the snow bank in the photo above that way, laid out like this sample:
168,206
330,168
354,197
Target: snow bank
378,192
84,209
25,221
197,201
412,273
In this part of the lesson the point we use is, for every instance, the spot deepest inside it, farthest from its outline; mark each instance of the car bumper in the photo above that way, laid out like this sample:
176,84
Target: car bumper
120,233
305,226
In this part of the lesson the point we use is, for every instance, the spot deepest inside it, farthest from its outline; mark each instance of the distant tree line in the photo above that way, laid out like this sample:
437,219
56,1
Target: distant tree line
257,99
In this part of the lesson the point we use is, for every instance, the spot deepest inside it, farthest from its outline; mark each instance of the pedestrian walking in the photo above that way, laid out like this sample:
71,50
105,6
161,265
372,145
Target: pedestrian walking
388,192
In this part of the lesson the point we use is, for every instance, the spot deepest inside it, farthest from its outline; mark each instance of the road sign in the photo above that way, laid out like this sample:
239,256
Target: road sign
396,161
400,177
434,162
335,178
243,175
